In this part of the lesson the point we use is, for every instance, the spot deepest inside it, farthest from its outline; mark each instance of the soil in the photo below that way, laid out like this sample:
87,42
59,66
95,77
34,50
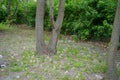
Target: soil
14,43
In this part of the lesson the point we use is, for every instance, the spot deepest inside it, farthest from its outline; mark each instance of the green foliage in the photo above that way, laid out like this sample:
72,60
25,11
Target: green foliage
4,26
67,67
102,32
119,45
65,78
43,78
3,12
78,64
118,71
28,59
15,65
87,19
75,37
26,13
100,67
42,58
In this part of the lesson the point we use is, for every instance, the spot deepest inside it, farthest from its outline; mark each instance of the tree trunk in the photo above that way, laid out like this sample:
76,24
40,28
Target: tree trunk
9,7
112,71
40,12
12,14
52,13
57,26
16,8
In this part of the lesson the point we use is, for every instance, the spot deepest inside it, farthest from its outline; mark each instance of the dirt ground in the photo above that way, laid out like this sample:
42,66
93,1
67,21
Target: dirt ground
14,43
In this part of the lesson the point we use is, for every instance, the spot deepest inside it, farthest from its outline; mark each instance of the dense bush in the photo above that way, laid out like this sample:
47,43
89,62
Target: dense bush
26,13
3,12
86,19
89,19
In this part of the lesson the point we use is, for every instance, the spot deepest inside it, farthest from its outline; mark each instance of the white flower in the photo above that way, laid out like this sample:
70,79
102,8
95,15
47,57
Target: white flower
1,56
99,77
18,77
66,72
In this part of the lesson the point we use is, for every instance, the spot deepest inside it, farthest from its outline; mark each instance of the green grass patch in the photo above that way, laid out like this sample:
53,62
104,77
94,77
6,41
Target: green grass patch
67,67
43,78
100,67
7,27
66,78
78,64
118,71
15,66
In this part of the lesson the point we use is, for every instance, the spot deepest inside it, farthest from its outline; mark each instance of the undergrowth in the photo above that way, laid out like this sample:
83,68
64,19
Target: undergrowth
7,27
72,62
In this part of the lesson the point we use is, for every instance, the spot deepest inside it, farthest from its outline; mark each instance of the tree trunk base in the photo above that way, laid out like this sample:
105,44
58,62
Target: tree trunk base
49,51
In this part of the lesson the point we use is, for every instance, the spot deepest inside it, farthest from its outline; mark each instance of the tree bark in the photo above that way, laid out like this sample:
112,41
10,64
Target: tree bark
52,13
9,7
41,47
16,8
57,26
112,70
40,12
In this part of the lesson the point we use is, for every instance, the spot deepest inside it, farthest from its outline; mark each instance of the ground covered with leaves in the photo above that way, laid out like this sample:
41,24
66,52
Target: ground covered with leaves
73,61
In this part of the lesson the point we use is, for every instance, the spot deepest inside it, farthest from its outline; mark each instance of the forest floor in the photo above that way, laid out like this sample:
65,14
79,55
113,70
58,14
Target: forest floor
73,61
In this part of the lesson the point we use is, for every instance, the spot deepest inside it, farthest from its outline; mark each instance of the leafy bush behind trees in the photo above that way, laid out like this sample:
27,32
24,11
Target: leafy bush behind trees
86,19
90,19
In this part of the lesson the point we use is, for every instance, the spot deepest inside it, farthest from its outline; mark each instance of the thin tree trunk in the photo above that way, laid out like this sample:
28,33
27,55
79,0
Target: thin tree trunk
10,14
9,8
26,12
40,44
112,71
16,8
52,13
57,26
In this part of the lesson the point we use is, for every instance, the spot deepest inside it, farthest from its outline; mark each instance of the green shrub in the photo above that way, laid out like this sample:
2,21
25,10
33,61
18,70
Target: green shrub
3,12
87,19
91,19
102,32
26,14
7,27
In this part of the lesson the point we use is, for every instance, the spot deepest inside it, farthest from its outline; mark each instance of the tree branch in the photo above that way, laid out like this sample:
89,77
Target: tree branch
52,13
60,16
